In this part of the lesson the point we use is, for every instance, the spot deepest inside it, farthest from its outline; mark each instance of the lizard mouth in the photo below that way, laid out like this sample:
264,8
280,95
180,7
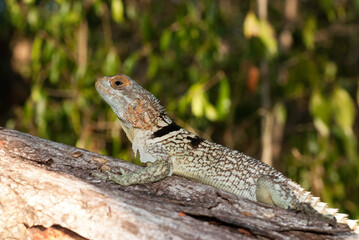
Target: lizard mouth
123,120
100,87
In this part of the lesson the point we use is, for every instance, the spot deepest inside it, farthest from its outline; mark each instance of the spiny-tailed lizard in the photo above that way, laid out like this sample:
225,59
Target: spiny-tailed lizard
169,149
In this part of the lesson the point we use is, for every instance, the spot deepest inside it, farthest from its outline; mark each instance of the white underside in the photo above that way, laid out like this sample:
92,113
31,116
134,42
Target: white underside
139,146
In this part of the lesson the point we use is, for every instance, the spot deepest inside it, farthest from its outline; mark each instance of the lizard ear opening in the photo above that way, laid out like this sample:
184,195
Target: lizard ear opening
119,81
134,104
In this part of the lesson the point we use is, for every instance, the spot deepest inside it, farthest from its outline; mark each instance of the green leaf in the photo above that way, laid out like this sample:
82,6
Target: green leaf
262,29
182,104
321,111
280,113
153,66
36,49
39,109
251,26
16,15
36,54
308,33
117,11
130,63
29,2
343,109
267,36
330,70
111,65
210,111
198,100
165,40
224,99
33,17
146,27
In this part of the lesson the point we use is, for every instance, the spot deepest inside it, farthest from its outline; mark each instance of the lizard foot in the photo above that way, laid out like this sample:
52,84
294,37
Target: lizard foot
99,176
153,173
123,179
272,191
116,178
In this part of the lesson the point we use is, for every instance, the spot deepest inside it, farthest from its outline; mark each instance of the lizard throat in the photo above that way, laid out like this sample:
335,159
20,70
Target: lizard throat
129,130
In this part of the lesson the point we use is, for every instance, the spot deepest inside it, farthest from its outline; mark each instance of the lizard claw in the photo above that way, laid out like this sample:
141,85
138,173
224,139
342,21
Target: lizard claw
99,176
122,171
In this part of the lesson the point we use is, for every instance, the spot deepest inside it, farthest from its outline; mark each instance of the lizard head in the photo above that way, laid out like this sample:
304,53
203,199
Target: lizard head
135,107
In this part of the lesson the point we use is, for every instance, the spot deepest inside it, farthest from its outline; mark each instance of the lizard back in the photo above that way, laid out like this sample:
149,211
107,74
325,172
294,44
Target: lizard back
213,164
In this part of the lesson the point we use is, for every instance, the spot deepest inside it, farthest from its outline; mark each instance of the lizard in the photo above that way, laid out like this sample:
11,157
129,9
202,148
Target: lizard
168,149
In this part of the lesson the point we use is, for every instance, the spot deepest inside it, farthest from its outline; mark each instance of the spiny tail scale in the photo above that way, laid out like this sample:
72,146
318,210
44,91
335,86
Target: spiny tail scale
322,207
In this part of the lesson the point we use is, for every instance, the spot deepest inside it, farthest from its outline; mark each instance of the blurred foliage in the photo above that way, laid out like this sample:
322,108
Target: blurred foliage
203,60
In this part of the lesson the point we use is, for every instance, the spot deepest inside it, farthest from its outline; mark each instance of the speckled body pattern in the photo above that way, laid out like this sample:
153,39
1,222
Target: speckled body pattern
215,165
168,149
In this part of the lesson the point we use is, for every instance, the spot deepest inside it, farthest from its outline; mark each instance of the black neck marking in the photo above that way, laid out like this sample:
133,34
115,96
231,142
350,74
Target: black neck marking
195,141
165,130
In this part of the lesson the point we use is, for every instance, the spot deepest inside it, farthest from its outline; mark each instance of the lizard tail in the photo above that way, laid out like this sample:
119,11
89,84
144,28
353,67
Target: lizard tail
321,207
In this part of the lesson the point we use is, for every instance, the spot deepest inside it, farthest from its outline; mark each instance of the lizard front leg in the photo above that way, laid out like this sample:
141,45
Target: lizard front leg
153,173
275,192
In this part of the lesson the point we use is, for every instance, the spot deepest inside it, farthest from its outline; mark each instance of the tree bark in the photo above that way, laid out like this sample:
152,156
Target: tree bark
48,187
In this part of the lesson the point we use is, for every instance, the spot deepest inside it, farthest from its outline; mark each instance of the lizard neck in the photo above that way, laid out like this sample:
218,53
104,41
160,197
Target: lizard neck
145,141
144,113
157,127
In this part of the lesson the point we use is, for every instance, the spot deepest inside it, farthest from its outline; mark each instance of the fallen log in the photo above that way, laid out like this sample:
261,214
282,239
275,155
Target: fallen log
48,188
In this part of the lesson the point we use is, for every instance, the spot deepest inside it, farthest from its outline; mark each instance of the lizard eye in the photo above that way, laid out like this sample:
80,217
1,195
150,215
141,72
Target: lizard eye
116,83
119,81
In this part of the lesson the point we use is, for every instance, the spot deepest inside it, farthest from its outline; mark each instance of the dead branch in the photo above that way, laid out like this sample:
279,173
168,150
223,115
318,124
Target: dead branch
48,187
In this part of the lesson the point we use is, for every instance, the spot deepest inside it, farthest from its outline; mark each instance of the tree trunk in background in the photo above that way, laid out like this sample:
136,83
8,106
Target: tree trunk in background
267,117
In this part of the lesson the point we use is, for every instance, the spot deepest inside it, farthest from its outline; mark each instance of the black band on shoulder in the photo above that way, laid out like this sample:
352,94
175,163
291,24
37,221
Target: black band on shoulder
165,130
195,141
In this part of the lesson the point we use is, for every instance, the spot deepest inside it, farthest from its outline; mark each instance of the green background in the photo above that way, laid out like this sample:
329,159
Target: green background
278,81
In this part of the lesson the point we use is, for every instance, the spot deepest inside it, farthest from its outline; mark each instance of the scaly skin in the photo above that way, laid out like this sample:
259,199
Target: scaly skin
168,149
